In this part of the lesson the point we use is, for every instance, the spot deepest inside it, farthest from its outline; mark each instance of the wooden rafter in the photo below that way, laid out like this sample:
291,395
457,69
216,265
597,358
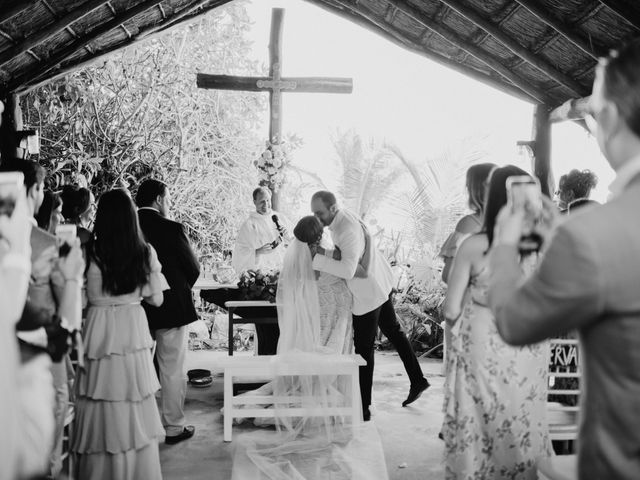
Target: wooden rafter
35,78
563,29
623,11
504,39
18,7
452,37
374,24
81,42
46,33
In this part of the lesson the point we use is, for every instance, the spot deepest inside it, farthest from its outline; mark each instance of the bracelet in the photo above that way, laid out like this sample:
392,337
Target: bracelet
72,280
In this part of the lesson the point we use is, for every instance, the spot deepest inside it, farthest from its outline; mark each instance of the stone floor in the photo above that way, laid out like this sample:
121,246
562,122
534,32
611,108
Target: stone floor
409,435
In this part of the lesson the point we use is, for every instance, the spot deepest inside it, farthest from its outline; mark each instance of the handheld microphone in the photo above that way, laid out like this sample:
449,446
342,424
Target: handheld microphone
276,220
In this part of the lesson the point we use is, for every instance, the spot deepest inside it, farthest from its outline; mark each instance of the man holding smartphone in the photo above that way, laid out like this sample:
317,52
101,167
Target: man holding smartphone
49,298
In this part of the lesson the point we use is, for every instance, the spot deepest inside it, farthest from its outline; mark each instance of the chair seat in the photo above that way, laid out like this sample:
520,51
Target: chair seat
563,423
562,467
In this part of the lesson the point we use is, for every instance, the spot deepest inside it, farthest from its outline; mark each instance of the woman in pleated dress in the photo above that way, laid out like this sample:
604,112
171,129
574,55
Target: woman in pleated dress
117,425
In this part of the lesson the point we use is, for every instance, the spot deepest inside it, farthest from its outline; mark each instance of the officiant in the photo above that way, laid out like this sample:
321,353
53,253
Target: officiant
262,237
261,244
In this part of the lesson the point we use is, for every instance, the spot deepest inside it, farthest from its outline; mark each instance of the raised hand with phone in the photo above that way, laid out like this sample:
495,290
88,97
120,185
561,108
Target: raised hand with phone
524,195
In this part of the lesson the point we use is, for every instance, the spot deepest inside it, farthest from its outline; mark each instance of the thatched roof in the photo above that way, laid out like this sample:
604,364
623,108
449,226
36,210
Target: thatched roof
543,51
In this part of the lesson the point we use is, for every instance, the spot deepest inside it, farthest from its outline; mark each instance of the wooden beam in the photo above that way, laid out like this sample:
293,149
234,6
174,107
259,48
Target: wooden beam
249,84
623,11
563,29
46,33
18,7
60,56
574,109
372,23
537,62
542,149
452,37
10,123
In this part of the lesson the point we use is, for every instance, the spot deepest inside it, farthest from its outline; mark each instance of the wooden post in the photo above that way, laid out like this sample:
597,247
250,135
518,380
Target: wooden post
275,72
542,149
10,123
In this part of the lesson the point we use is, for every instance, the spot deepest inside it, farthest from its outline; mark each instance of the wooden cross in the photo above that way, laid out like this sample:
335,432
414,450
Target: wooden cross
275,84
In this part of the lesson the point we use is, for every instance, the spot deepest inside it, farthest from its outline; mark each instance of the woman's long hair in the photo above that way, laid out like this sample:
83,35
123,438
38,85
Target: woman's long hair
117,245
476,185
497,196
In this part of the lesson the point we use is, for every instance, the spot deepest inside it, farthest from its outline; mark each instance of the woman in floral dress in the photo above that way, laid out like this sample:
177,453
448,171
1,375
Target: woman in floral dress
495,424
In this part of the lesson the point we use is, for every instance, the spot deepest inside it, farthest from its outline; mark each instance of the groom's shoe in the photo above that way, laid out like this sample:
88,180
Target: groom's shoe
415,391
366,415
187,432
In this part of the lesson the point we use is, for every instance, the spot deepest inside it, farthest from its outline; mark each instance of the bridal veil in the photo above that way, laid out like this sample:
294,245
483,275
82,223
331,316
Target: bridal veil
314,446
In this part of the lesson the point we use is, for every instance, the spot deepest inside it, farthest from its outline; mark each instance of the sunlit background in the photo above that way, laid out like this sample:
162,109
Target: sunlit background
402,98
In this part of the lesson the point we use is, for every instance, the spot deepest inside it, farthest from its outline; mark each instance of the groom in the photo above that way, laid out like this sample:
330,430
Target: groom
372,304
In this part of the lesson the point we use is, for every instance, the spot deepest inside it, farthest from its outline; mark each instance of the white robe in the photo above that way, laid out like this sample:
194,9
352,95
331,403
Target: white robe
255,232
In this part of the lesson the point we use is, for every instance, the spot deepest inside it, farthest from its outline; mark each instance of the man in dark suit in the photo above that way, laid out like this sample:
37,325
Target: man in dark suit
168,322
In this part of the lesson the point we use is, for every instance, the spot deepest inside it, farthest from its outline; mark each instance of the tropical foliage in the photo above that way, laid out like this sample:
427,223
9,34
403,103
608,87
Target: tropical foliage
139,114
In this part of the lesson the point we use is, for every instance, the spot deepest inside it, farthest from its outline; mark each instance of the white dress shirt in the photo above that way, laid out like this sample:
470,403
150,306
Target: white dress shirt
255,232
368,293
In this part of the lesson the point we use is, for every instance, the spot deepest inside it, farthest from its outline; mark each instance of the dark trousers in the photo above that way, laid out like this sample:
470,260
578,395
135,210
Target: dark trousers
365,328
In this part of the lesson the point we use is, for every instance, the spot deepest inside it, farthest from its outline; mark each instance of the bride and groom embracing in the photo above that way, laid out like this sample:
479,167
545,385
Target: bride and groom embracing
334,300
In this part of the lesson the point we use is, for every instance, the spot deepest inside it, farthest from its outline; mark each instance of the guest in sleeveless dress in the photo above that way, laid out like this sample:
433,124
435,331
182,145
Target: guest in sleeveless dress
117,421
469,224
495,423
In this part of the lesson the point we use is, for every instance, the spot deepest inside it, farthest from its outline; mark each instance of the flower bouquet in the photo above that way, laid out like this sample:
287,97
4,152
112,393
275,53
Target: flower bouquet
259,285
272,162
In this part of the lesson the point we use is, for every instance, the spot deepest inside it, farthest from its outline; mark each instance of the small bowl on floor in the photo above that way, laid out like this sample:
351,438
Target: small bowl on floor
201,382
198,373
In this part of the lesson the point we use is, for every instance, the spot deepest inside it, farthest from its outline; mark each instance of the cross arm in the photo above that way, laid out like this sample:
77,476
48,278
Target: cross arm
229,82
289,84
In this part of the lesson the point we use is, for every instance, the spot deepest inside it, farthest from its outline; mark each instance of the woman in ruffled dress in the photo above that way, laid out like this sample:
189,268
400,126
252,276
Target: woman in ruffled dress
495,425
117,421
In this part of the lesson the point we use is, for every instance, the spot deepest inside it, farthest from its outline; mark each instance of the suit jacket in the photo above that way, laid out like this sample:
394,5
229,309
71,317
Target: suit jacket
368,293
589,279
179,266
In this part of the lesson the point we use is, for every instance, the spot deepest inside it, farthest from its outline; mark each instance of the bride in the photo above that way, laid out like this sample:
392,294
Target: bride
314,315
314,308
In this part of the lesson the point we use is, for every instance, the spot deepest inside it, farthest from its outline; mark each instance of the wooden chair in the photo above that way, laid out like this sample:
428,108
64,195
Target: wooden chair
562,419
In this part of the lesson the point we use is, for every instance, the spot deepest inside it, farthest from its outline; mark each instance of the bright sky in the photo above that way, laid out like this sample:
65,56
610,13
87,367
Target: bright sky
399,96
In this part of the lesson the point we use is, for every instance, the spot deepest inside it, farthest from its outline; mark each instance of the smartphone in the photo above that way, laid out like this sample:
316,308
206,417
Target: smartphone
523,192
66,235
11,183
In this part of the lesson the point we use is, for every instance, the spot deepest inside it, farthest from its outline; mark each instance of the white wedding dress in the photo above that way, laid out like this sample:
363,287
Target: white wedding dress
314,315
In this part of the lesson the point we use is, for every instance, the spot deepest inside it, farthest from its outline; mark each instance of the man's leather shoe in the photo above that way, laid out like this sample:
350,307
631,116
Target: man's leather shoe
187,433
415,391
366,415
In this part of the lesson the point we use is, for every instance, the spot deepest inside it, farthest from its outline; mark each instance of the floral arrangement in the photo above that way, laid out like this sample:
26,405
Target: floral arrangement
271,164
259,285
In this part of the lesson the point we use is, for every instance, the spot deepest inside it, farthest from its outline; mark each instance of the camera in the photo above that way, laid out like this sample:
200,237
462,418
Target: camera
66,235
523,192
10,185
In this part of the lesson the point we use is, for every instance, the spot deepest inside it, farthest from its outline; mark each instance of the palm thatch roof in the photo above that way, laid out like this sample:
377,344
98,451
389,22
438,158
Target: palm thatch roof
543,51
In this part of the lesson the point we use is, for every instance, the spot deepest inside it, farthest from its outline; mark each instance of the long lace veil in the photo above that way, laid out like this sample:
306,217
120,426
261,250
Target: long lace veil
313,446
297,300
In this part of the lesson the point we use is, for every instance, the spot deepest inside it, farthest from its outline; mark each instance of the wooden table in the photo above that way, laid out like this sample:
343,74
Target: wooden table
232,306
309,364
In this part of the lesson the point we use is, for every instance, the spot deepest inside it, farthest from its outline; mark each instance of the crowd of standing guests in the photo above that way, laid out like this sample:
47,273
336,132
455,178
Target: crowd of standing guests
503,302
117,291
